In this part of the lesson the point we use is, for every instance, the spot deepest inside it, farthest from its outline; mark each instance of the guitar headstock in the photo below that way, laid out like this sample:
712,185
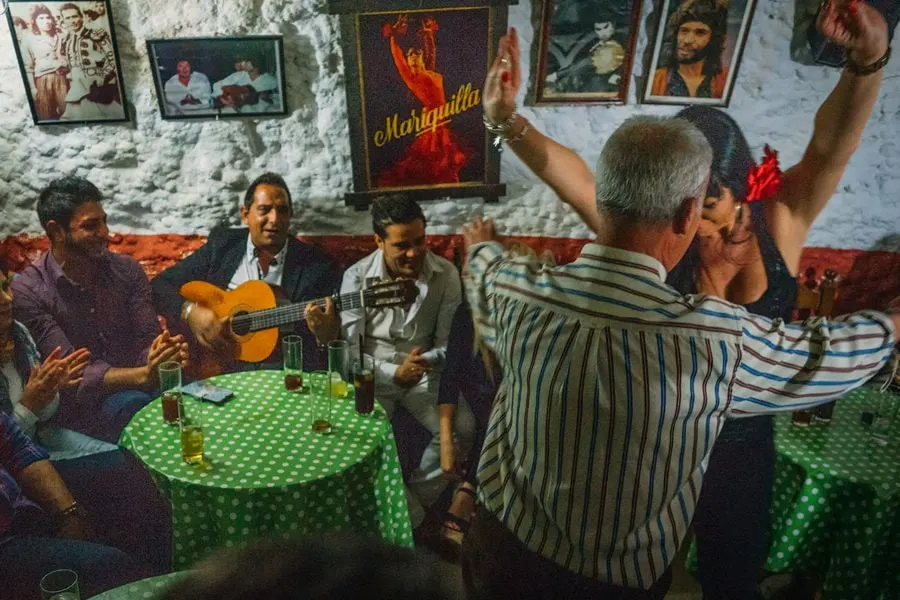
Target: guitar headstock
395,292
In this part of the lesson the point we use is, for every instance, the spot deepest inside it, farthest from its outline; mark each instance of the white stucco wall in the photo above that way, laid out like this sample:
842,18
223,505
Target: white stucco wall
183,177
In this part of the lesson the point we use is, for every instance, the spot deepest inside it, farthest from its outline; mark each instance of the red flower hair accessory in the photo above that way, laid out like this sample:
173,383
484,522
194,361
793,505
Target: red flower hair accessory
764,180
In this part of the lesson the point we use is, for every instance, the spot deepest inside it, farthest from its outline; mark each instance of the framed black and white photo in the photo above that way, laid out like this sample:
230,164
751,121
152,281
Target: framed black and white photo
203,78
697,51
69,61
586,51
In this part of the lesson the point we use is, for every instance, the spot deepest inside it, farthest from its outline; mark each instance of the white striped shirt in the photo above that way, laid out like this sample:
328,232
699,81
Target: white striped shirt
614,389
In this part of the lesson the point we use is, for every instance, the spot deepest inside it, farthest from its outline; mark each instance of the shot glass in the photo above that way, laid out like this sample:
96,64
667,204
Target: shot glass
192,434
320,381
292,349
170,389
61,584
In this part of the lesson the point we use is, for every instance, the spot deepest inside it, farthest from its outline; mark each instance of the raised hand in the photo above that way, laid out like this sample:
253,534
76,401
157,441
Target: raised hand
44,381
398,27
504,79
76,363
479,230
857,26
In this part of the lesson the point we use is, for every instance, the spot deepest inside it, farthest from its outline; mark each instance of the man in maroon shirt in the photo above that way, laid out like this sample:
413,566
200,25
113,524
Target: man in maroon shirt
80,295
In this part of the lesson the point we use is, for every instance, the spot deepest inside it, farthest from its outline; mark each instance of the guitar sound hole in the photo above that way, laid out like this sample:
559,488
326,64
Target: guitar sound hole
240,323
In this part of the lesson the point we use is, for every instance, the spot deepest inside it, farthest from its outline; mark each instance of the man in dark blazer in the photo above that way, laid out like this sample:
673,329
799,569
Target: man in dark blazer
263,250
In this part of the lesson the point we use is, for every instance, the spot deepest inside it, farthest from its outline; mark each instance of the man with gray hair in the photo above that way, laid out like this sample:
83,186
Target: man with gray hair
615,386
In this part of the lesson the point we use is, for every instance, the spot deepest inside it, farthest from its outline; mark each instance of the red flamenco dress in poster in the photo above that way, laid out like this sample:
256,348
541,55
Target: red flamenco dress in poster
424,148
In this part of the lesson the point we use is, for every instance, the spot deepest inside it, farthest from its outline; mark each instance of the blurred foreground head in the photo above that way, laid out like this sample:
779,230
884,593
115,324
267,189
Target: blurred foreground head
326,567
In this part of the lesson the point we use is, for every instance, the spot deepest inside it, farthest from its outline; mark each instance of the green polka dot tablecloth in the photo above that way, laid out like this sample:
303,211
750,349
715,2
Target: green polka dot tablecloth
145,589
266,473
836,503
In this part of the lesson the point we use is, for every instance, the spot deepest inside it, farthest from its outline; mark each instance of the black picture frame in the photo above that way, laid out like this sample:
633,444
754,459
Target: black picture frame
369,56
592,47
217,88
70,62
721,85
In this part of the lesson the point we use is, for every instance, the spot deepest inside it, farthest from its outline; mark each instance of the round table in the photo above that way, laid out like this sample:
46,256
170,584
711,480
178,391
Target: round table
145,589
267,473
836,503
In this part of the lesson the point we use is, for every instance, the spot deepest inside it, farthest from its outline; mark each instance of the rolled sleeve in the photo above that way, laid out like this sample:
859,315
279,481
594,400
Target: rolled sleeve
789,367
483,260
17,450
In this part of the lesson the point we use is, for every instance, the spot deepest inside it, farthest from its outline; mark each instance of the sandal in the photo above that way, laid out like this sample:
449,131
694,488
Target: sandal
454,527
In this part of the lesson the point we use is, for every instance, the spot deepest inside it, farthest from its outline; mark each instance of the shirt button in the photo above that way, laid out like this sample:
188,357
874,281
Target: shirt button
93,310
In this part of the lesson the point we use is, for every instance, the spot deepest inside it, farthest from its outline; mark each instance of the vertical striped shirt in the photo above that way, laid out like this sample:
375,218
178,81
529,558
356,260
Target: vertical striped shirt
614,389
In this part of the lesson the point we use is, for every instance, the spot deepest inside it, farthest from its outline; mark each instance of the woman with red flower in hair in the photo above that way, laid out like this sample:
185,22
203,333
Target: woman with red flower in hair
747,250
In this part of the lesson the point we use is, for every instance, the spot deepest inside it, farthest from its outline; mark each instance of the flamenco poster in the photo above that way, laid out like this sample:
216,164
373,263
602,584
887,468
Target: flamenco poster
415,101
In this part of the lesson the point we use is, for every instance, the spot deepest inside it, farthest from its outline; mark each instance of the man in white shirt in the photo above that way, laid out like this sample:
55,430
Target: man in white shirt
233,93
187,92
409,345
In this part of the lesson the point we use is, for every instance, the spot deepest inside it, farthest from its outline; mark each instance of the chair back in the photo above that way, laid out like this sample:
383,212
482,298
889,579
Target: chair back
816,298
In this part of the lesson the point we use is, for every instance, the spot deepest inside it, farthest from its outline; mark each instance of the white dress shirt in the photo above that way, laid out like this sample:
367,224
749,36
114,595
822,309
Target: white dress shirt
263,83
198,87
250,269
390,334
614,389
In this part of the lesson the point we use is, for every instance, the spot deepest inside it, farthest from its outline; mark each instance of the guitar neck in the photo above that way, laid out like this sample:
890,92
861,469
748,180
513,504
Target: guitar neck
293,313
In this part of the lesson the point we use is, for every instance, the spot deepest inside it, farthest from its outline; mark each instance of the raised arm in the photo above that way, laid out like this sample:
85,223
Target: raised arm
559,167
839,125
789,367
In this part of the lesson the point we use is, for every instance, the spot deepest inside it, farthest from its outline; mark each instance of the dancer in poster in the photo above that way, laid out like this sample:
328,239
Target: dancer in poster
436,155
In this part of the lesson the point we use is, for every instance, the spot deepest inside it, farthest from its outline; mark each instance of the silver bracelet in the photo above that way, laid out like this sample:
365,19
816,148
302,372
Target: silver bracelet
186,311
501,129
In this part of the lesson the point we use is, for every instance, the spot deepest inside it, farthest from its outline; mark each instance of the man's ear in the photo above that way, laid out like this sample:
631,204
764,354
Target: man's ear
244,213
379,241
55,231
687,219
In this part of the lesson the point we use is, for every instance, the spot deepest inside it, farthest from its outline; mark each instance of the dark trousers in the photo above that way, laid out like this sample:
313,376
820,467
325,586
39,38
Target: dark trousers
731,524
496,565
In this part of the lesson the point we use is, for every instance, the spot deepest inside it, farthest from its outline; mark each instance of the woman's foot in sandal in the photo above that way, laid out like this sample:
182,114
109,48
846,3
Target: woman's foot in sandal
459,516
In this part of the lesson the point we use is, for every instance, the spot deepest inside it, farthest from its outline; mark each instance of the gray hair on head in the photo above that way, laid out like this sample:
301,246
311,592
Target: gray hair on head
649,166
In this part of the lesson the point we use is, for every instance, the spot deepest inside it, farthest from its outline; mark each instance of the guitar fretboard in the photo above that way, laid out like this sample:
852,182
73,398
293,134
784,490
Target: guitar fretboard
292,313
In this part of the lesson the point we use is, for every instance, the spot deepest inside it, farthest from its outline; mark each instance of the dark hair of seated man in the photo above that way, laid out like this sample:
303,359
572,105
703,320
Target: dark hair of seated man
327,566
394,210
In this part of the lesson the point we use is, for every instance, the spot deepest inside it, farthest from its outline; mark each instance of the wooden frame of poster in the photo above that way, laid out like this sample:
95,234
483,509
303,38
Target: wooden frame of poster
416,120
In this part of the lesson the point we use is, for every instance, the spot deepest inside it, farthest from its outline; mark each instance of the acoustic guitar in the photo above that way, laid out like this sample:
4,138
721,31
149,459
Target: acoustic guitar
255,316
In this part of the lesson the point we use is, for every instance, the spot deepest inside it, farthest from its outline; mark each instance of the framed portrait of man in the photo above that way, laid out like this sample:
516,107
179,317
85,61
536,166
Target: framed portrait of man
212,78
586,50
697,51
69,61
414,75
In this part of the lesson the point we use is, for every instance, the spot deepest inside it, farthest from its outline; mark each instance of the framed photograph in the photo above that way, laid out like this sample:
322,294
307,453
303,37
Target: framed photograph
586,50
414,75
210,78
698,50
69,61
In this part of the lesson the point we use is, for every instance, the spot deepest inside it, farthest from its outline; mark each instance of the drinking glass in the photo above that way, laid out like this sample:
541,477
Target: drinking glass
320,381
825,411
192,431
883,419
339,368
292,348
170,389
802,418
61,584
364,381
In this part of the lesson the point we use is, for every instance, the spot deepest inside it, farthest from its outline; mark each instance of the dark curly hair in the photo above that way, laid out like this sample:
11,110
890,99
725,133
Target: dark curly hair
394,210
713,13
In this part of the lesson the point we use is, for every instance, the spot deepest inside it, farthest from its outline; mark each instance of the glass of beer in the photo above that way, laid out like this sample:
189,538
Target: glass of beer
292,349
364,382
192,431
61,584
170,389
339,368
320,381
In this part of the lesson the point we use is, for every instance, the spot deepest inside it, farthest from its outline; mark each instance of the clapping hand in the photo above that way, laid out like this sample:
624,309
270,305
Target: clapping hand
504,79
166,347
857,26
414,366
44,381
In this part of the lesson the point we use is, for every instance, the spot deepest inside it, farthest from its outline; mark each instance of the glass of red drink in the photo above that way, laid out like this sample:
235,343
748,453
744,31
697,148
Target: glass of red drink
170,390
364,382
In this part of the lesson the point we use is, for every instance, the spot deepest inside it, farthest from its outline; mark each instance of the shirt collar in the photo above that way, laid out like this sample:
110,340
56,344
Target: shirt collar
623,260
56,271
430,266
253,252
